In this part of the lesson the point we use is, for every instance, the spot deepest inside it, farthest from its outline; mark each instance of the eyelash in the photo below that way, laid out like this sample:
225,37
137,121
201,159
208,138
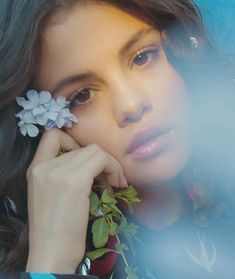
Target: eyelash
79,92
152,51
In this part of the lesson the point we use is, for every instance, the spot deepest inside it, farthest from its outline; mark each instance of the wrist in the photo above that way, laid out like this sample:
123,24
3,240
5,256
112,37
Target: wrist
43,265
52,259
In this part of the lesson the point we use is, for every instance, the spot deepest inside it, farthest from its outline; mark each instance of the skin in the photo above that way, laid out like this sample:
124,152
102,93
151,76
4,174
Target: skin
128,94
127,98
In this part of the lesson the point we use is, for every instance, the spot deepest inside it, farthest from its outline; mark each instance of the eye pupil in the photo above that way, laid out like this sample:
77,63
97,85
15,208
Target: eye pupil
84,95
141,59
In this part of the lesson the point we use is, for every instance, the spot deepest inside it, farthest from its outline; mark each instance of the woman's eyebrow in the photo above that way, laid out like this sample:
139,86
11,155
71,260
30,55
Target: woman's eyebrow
83,77
74,79
134,39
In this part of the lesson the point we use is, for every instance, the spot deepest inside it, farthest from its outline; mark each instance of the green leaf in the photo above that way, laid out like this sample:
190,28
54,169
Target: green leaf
132,229
106,209
106,198
109,218
100,232
113,228
121,247
130,208
92,255
116,209
128,192
138,240
132,275
131,272
131,247
94,203
129,231
113,222
123,225
117,216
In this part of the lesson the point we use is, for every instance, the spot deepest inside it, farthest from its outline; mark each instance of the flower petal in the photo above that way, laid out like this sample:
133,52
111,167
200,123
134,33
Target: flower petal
32,130
68,124
23,130
73,118
52,102
20,123
20,101
68,115
44,97
43,109
59,121
29,105
50,124
39,110
33,96
20,114
46,106
28,118
55,107
65,112
42,119
52,115
61,101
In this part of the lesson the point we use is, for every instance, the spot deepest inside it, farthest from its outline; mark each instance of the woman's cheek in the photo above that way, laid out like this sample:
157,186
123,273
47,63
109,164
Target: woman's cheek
86,131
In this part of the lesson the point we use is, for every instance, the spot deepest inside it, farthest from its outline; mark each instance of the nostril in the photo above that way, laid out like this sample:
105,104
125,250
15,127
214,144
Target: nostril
137,116
131,119
147,108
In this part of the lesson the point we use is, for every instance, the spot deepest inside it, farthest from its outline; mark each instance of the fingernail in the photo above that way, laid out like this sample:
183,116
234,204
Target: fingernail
124,183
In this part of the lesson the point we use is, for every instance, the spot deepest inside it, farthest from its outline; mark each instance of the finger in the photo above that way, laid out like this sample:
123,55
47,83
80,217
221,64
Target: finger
71,161
85,161
102,162
112,172
50,144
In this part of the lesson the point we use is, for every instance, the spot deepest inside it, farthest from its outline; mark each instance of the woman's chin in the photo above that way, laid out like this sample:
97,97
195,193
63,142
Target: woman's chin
154,173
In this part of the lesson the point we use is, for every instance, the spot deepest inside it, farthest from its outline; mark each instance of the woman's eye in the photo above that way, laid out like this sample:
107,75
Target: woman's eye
83,97
145,57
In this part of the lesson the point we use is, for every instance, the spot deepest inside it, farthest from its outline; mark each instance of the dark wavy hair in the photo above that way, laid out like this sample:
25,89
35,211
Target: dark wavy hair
207,73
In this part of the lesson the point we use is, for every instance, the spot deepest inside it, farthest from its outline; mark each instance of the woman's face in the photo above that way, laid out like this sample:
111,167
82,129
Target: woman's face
124,90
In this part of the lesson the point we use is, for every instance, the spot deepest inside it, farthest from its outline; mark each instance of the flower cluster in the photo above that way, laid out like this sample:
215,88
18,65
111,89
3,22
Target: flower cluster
42,109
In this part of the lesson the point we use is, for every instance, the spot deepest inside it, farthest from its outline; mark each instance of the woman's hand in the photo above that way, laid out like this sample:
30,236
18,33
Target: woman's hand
58,200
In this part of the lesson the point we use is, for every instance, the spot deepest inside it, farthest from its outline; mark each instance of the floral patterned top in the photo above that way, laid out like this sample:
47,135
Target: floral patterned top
181,251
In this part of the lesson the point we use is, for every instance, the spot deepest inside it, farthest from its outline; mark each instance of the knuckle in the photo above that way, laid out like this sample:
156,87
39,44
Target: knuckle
101,158
34,175
54,132
95,147
34,171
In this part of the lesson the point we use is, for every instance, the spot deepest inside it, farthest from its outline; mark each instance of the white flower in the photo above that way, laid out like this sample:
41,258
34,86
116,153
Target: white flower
29,129
42,109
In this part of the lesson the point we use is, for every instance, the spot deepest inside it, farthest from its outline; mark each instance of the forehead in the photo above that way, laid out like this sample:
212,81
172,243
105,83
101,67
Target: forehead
83,36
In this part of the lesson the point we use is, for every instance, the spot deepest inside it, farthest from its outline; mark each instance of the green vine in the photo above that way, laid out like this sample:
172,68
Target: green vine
109,220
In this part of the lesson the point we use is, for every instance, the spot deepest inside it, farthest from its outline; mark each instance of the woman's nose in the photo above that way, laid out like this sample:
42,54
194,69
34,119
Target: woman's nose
130,104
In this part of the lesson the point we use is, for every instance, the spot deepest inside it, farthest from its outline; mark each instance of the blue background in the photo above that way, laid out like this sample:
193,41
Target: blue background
219,17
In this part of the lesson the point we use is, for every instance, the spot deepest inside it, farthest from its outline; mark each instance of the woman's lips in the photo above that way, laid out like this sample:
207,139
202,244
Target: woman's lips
149,142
